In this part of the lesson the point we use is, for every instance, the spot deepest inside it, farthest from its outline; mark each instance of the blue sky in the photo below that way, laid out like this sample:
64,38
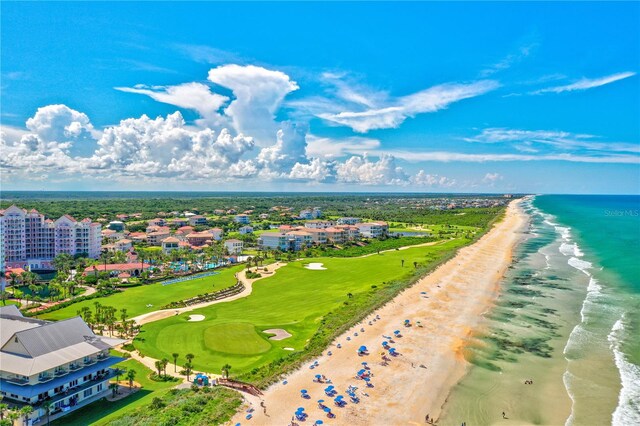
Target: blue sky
433,97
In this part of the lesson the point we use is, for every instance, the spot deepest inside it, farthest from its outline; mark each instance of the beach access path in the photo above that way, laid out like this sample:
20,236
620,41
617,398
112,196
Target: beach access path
448,304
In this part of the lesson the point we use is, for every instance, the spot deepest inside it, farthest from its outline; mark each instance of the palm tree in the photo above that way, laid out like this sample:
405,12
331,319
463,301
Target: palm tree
190,357
47,408
225,370
402,262
158,365
13,416
25,412
131,374
175,361
164,363
13,278
114,389
187,369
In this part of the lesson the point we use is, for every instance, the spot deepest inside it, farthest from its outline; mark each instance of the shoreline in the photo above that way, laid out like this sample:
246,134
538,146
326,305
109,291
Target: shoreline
431,362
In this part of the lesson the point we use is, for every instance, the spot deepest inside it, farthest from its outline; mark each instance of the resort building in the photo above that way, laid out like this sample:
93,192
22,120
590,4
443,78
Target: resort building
216,233
61,363
336,235
246,230
157,222
318,224
242,218
373,229
111,235
306,214
273,241
234,246
114,269
198,239
179,222
318,236
197,220
170,244
138,237
31,242
155,238
348,220
120,245
351,232
3,279
299,240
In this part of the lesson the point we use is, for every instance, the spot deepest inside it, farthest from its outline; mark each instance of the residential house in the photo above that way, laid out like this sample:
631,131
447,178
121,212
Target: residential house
245,230
233,246
242,218
348,220
197,220
170,244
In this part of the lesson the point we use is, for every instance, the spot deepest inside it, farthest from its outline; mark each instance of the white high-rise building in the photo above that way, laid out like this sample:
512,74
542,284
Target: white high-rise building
30,241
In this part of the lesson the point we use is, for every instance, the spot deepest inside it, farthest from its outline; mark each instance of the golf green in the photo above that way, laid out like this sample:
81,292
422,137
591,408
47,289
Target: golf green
294,299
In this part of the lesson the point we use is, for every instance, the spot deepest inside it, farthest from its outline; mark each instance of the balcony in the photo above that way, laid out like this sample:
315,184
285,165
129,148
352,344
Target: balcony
45,378
18,380
60,372
74,367
89,361
102,356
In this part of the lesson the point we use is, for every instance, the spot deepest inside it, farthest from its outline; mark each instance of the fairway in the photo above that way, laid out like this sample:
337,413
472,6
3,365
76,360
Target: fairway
136,299
294,299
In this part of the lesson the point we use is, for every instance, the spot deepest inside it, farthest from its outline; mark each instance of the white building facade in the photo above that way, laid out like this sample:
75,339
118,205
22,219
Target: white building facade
30,241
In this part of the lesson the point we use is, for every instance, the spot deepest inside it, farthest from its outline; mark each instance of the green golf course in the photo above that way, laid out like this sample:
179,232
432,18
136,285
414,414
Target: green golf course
136,299
294,299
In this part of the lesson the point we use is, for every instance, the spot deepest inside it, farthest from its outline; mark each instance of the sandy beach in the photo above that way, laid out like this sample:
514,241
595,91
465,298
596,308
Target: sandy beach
443,309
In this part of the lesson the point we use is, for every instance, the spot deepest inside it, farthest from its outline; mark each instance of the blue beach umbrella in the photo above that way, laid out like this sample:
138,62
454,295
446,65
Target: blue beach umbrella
320,401
327,410
396,332
303,390
318,422
318,376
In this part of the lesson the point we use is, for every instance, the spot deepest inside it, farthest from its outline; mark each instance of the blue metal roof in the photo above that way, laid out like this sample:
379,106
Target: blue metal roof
34,390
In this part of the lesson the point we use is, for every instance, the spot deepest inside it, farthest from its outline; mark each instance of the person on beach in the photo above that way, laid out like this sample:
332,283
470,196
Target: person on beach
504,416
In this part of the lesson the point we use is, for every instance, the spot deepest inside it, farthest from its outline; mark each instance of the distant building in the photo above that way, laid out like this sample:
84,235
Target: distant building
373,229
234,246
299,240
116,225
157,222
318,224
242,218
119,245
216,233
197,220
170,244
60,363
263,216
273,241
199,238
348,220
318,236
306,214
336,235
156,238
245,230
32,242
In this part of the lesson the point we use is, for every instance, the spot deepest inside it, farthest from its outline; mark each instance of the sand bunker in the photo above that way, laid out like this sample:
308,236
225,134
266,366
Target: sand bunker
194,318
278,334
315,267
289,349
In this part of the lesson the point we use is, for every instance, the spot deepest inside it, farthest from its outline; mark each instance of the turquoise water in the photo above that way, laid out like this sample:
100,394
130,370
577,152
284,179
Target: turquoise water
567,318
604,234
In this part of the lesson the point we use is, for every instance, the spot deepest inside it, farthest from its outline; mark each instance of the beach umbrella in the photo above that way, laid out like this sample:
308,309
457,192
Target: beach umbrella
320,401
396,332
363,348
330,387
364,363
366,379
300,409
318,376
327,410
318,422
303,390
385,343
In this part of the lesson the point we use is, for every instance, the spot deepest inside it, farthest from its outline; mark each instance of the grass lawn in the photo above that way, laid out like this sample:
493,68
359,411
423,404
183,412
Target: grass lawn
294,299
136,299
102,412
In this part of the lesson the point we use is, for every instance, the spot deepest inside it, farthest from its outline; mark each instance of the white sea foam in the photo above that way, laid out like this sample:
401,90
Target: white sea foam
570,249
566,379
581,265
565,232
628,410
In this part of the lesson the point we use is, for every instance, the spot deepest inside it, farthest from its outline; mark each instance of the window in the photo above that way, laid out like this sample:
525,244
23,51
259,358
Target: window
99,387
87,392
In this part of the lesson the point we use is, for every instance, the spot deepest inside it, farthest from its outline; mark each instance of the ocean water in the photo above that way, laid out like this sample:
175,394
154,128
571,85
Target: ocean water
567,319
